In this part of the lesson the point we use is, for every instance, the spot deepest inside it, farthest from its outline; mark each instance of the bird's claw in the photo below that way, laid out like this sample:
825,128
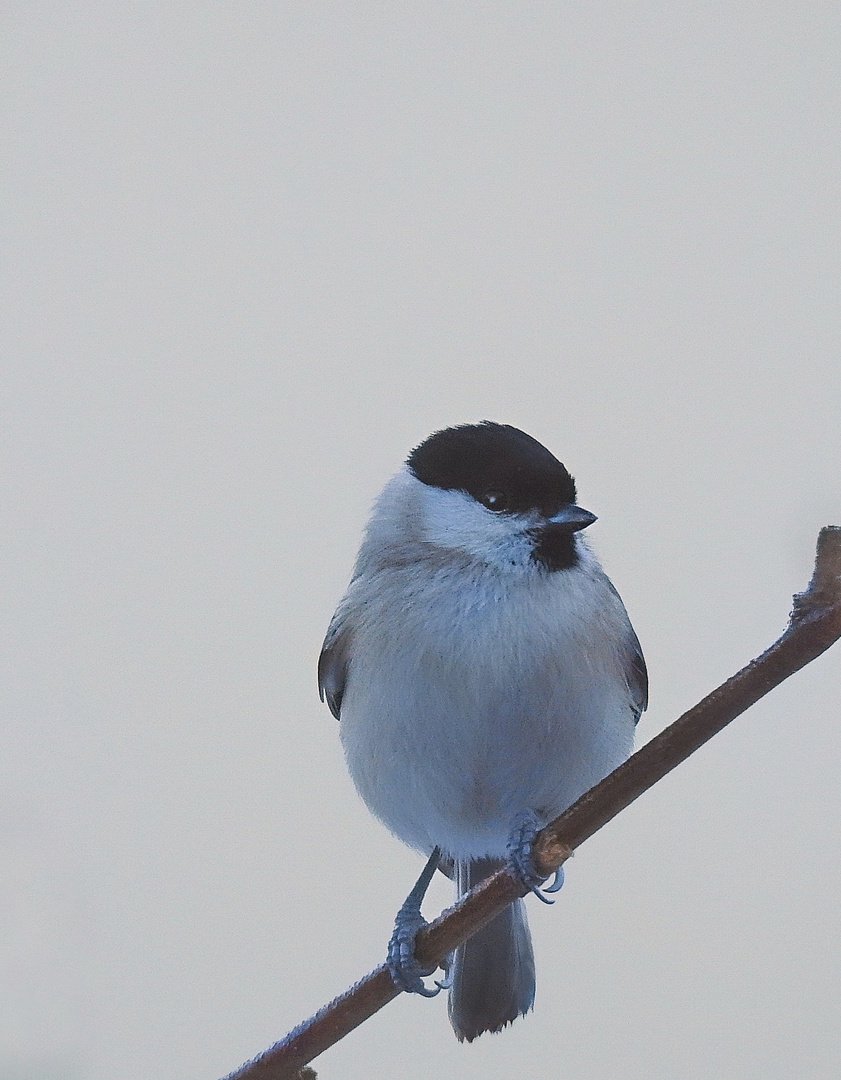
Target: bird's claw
406,973
521,861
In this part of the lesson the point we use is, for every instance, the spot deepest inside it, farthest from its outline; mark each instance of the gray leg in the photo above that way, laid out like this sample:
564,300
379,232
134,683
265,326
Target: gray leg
405,971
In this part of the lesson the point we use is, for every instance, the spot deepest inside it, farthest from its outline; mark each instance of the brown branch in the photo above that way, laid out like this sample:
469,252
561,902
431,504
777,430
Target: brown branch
815,624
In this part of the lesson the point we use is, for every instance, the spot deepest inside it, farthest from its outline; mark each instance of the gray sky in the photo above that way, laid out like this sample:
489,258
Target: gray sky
253,253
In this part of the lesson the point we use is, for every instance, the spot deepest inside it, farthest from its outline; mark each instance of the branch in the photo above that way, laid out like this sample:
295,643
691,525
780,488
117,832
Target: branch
815,624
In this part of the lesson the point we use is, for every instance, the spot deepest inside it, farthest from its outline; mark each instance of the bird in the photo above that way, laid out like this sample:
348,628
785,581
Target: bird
485,675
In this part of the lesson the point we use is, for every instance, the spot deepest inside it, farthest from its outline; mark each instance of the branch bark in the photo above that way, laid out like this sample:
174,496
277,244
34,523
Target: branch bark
814,625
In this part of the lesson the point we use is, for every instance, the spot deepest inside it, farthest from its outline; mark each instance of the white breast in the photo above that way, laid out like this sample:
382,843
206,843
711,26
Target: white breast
499,694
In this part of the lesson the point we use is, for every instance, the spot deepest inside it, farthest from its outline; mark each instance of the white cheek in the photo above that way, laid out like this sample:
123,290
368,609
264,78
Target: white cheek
453,520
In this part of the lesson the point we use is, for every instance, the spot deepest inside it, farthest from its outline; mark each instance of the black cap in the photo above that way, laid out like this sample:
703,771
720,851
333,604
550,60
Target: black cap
499,465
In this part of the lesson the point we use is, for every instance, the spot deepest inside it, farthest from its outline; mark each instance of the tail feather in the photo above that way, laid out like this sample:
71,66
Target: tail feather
493,971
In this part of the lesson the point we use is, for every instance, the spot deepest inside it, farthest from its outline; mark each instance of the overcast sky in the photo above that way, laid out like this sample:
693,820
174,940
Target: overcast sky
253,253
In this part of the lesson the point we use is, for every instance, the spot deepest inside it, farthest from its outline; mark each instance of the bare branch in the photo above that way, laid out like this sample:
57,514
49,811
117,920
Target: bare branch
815,624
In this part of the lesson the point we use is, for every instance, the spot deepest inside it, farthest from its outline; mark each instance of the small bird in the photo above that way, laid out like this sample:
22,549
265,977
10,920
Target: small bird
486,675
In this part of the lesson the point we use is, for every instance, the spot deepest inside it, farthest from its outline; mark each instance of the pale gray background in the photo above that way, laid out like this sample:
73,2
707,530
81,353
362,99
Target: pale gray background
253,253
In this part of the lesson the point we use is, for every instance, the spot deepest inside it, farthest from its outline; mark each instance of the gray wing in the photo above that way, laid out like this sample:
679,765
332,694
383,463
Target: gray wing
636,673
334,662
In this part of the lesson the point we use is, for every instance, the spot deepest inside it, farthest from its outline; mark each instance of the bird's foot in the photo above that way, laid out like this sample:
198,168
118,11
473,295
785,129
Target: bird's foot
406,973
521,862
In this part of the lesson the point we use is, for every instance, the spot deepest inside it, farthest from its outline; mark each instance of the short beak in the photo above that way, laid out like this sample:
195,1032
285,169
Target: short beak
572,518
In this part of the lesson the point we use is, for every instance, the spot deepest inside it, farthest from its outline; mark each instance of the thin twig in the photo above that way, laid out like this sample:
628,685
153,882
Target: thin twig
815,624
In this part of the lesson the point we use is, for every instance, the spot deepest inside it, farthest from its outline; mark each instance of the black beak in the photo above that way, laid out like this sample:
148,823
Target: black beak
570,519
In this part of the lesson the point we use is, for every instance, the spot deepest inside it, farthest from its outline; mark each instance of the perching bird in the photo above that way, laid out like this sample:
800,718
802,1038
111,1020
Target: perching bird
485,673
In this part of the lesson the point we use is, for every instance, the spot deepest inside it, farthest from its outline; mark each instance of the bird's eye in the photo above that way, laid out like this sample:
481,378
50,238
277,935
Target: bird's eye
494,500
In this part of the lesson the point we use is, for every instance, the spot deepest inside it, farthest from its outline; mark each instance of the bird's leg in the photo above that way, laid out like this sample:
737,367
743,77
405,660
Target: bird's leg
405,971
520,860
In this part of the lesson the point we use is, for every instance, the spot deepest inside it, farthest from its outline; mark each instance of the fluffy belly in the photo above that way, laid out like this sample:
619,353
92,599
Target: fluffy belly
450,757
